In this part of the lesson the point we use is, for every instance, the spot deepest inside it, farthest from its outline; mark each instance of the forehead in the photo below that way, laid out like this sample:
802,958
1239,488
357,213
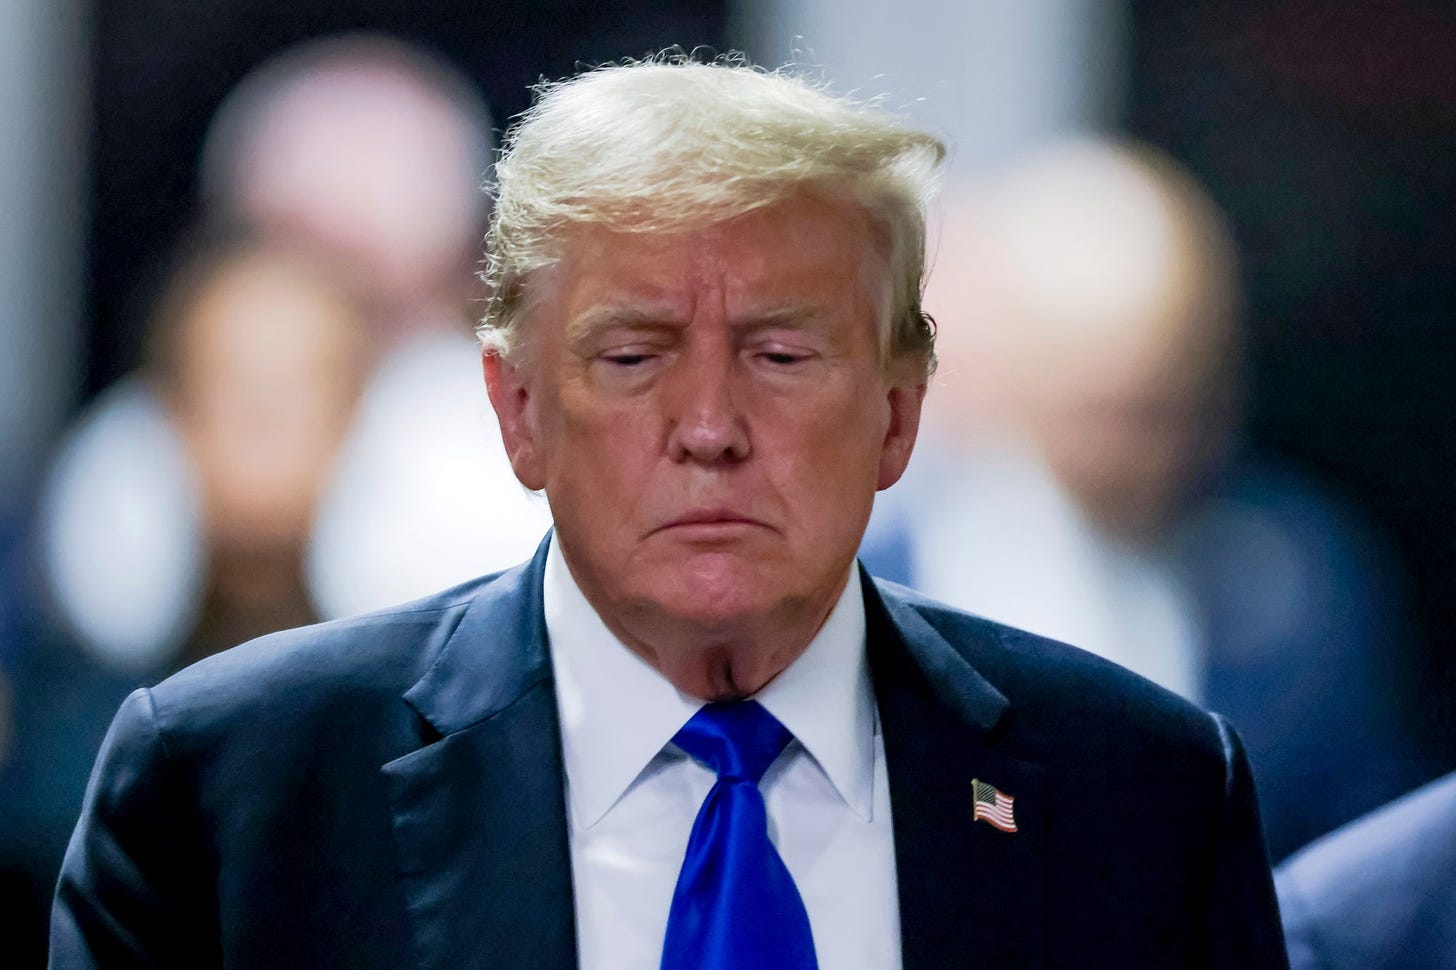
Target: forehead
803,250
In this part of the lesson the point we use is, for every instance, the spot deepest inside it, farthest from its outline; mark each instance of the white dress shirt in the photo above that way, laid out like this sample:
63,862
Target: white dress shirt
632,795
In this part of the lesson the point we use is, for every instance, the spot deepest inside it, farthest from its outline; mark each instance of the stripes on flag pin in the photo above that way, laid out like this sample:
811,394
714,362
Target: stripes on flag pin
993,806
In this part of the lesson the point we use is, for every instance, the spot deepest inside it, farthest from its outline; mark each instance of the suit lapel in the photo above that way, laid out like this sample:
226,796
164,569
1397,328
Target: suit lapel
479,815
969,892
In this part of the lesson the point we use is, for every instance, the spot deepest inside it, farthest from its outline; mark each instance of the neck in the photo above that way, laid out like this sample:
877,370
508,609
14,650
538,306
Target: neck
718,670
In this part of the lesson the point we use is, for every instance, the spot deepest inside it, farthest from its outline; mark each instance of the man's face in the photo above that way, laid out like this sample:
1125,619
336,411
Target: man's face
708,414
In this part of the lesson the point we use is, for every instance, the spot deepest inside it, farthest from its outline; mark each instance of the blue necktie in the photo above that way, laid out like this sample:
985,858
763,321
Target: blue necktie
735,906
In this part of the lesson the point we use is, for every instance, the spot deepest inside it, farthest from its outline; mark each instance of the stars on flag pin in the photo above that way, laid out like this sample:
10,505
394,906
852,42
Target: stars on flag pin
993,806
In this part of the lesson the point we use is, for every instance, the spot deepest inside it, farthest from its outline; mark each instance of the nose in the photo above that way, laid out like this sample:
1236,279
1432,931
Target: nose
707,425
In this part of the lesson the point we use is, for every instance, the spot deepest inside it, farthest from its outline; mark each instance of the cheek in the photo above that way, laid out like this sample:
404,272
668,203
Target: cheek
597,458
832,452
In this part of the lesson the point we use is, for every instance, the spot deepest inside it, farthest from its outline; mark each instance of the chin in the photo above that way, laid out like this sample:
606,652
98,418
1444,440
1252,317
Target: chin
722,591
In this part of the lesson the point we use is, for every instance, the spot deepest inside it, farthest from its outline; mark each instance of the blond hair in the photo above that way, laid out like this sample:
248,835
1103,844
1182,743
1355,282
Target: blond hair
670,144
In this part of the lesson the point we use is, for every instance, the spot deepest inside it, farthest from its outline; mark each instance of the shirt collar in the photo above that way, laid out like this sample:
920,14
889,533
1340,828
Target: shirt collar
825,700
609,736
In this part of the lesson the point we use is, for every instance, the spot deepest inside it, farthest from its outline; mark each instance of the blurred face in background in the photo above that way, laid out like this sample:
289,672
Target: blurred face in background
1090,310
369,154
267,364
1135,425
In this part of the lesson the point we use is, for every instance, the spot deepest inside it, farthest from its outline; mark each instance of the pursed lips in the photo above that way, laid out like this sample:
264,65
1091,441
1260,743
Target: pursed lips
708,520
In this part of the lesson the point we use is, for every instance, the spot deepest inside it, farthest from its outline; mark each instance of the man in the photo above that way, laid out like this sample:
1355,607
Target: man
1380,892
705,345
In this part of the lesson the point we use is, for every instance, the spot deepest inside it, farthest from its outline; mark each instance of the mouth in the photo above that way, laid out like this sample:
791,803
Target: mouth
711,523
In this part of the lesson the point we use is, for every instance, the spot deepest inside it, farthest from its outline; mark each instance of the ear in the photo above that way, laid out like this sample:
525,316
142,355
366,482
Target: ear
904,402
510,394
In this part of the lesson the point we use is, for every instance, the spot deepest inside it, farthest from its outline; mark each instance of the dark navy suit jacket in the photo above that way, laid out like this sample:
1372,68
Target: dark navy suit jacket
1379,893
387,792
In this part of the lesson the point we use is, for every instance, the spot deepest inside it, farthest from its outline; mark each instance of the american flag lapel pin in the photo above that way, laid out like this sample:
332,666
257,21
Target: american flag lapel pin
993,806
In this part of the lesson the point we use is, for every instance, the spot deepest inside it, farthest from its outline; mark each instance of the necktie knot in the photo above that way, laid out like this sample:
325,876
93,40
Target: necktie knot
737,739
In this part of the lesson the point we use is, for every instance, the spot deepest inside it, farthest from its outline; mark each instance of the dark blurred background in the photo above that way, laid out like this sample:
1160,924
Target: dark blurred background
1323,131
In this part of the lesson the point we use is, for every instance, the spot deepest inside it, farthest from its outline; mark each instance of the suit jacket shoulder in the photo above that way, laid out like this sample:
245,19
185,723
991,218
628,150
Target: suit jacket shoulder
312,798
1057,690
319,673
1380,892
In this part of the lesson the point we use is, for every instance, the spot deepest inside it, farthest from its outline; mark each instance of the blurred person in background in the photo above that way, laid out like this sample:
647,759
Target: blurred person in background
259,358
364,155
370,153
1380,893
176,518
180,510
1082,477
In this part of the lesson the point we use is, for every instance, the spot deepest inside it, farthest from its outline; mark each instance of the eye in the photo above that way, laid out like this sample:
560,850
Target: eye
632,359
780,358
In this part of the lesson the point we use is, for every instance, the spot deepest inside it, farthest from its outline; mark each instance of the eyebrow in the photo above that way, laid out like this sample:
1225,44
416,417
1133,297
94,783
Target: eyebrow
791,317
606,317
598,318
